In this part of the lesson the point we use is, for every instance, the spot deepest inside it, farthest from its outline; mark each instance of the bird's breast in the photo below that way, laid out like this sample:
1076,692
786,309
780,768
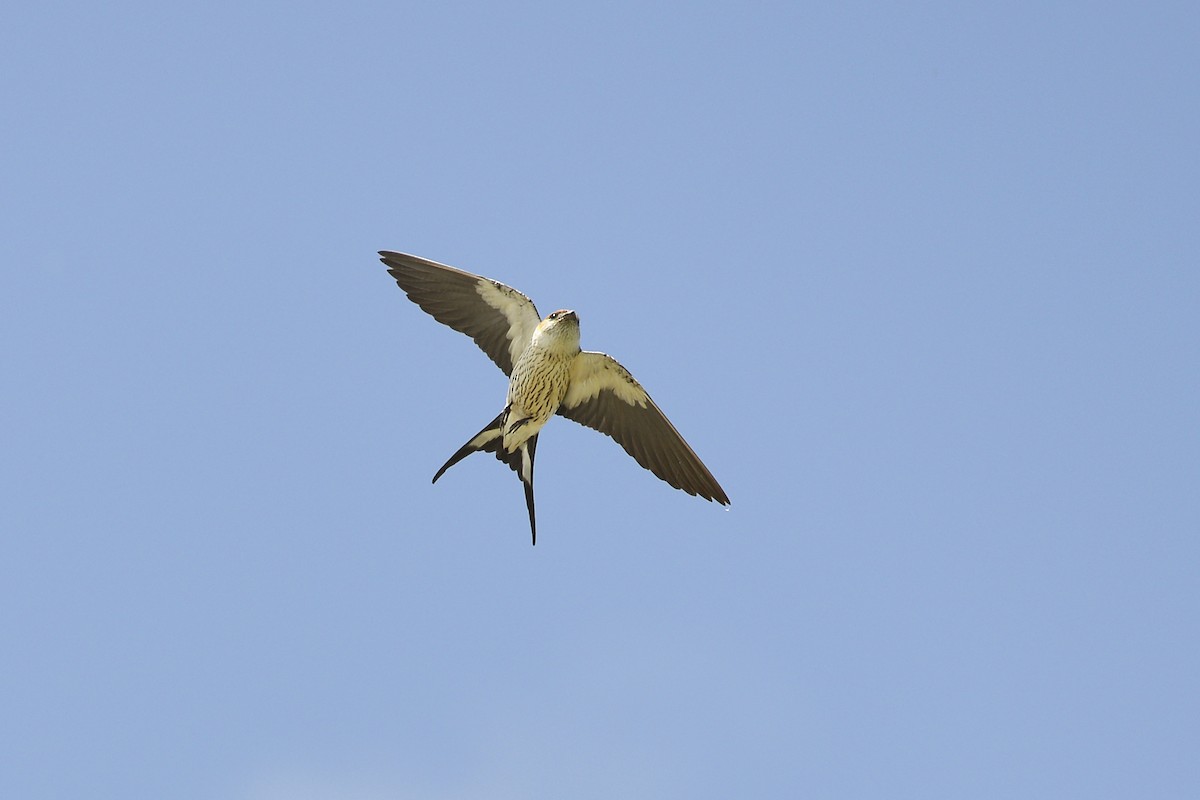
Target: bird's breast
537,386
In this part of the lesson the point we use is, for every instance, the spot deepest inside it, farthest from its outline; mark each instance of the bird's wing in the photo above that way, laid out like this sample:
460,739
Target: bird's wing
604,396
500,319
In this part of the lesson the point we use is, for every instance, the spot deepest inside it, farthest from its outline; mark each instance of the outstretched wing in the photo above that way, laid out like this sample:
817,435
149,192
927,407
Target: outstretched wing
604,396
500,319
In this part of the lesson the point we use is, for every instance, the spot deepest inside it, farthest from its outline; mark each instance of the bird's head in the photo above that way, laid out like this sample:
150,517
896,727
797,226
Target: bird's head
559,331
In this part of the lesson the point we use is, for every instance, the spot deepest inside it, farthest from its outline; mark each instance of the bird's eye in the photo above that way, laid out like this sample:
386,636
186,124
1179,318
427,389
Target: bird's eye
554,315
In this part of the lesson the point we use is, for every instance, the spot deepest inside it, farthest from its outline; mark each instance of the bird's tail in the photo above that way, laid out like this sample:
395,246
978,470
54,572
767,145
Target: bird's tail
520,461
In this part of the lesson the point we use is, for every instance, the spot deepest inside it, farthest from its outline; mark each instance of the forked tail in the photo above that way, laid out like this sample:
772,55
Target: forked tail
520,461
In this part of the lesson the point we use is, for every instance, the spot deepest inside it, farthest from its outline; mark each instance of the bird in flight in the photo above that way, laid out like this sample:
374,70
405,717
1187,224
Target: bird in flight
548,374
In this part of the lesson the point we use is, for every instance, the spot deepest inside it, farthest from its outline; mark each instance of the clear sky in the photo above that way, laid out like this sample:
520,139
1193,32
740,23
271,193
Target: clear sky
919,282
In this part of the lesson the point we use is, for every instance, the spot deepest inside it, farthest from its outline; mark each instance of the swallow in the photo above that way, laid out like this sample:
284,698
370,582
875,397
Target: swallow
548,374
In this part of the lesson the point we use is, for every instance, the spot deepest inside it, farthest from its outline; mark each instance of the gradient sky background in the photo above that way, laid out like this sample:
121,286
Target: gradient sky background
919,282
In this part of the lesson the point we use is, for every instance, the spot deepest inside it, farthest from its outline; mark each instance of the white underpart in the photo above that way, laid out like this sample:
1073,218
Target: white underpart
539,379
483,438
537,387
526,466
592,373
517,309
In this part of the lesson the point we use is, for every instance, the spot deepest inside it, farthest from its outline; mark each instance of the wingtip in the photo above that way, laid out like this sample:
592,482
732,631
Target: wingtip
719,497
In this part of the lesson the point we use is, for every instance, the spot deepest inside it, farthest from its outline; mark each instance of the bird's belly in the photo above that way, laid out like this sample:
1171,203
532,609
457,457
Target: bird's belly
535,391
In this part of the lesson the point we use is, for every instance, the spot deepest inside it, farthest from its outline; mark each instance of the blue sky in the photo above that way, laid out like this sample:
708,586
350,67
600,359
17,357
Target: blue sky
918,282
